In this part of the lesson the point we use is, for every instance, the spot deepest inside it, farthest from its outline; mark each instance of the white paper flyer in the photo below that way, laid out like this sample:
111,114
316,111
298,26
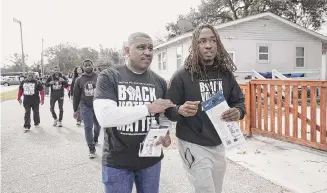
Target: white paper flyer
148,147
229,132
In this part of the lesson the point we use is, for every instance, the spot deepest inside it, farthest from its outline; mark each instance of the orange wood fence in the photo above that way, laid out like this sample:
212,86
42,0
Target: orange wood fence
245,123
289,110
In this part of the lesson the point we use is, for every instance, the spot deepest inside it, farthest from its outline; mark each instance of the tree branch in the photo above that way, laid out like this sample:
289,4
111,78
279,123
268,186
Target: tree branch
232,8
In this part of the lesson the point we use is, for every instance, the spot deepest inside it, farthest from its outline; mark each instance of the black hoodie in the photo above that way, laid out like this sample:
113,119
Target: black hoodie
84,90
199,129
71,91
57,89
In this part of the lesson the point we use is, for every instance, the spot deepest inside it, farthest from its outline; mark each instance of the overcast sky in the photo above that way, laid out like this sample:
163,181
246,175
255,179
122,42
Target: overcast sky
84,22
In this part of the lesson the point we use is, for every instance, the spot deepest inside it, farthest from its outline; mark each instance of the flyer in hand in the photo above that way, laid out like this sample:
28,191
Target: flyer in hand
148,147
229,132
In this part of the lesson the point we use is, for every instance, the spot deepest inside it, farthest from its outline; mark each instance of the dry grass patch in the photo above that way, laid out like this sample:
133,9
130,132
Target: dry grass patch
10,95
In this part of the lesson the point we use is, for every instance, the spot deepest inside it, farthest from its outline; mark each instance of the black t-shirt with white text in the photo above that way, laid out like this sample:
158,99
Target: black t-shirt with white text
57,88
31,89
83,90
121,144
198,129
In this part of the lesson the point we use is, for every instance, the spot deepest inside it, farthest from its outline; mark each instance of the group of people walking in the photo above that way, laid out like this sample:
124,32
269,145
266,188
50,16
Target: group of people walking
81,91
125,100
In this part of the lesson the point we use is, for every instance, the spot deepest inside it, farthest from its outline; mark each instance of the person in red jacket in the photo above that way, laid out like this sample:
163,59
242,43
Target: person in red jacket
31,88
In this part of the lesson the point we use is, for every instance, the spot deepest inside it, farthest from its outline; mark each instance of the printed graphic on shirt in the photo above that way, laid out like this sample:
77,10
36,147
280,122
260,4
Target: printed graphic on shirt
89,87
29,88
57,85
210,87
133,94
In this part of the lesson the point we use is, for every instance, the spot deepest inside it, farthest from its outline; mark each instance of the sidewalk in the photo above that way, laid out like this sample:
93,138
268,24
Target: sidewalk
297,168
55,160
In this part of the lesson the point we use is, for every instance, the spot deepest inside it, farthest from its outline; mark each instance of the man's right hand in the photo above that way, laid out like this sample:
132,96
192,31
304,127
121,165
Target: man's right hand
160,105
189,108
51,82
20,101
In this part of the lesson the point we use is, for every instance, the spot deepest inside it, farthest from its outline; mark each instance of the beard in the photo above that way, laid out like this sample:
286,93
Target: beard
88,71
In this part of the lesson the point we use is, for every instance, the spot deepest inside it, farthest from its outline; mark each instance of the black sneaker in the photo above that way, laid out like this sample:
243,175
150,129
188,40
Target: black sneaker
92,154
96,141
55,122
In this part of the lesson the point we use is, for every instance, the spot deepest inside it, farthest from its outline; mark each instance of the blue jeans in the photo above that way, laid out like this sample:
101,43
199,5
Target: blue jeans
90,119
80,115
121,180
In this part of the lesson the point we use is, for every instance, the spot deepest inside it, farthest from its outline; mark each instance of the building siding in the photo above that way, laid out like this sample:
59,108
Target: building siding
265,29
282,54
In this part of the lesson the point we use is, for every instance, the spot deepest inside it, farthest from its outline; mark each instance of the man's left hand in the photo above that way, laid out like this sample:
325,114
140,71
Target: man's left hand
75,115
164,141
61,79
232,114
42,102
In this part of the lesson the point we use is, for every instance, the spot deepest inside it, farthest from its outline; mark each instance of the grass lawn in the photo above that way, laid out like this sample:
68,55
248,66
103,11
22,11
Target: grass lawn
10,95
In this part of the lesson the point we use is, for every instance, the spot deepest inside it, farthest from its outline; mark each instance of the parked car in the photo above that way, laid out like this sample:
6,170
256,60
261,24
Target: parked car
10,80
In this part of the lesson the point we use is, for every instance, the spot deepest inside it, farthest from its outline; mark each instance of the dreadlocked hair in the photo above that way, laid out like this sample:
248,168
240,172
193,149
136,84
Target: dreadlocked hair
222,60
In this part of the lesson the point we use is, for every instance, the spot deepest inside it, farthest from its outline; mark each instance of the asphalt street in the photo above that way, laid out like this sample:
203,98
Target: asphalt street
55,160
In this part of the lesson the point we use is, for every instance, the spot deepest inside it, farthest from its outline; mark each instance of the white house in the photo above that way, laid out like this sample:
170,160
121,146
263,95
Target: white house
261,42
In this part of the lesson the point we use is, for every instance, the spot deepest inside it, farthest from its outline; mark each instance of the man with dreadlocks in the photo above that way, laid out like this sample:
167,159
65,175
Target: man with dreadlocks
207,69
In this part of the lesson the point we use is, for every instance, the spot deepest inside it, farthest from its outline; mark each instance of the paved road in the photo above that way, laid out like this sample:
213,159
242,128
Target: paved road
55,160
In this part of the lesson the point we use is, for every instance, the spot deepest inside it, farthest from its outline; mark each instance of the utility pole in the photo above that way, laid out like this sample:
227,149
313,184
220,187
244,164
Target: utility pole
42,68
21,36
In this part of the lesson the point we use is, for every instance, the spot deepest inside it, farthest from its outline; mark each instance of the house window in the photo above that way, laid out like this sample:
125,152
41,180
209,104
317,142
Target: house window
162,61
159,61
179,52
299,57
263,53
231,55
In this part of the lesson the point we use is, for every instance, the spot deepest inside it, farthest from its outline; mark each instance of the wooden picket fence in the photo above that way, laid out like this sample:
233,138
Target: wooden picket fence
289,110
245,123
